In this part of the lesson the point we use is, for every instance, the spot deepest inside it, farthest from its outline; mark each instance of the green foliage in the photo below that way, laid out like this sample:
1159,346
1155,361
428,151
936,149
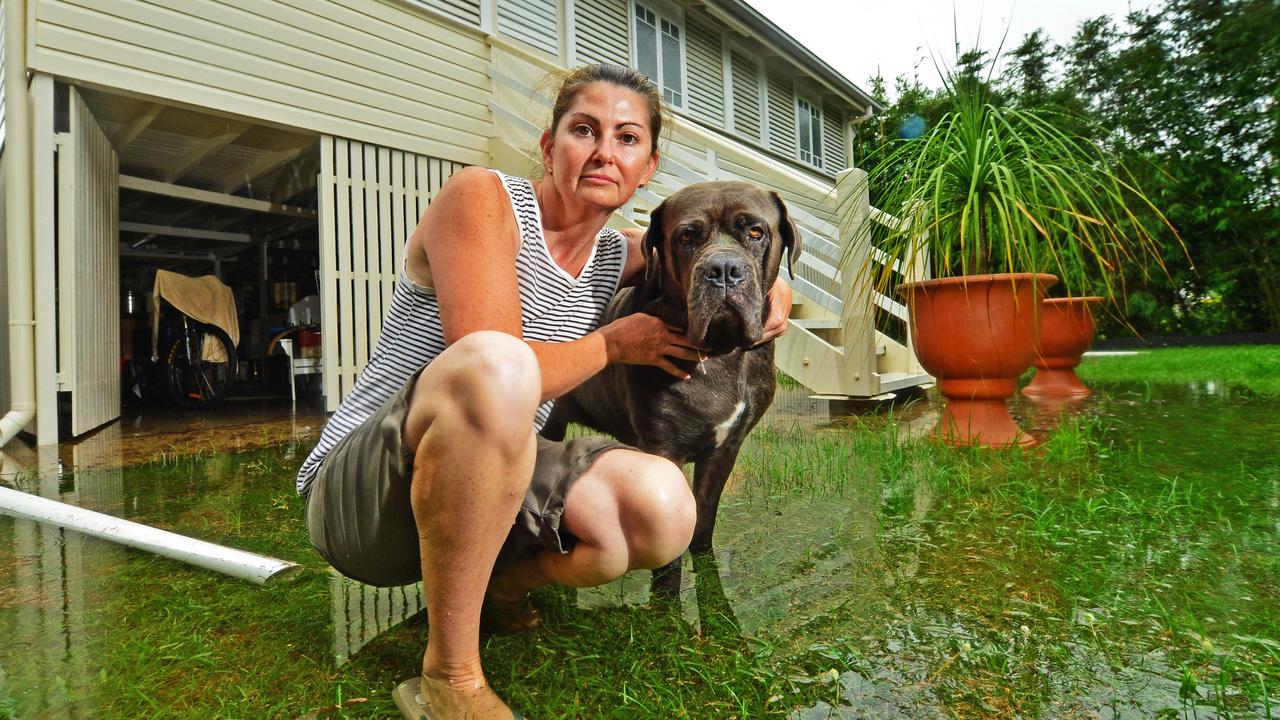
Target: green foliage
998,188
1184,96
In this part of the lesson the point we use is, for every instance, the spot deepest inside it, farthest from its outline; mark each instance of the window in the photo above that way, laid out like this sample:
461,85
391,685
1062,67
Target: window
659,53
809,127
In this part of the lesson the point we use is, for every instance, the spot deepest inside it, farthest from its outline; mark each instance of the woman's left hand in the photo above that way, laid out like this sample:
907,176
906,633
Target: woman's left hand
779,300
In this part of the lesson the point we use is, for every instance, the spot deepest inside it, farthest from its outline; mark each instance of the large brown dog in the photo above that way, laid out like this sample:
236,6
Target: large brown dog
713,252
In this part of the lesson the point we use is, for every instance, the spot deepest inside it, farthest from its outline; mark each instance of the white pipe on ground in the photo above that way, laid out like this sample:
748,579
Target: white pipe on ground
17,198
236,563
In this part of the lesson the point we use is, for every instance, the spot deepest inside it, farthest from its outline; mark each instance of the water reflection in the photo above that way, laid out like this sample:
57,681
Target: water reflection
1046,413
907,572
362,612
909,414
49,580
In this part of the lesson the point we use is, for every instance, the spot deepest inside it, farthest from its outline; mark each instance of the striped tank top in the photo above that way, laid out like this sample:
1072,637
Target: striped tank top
554,307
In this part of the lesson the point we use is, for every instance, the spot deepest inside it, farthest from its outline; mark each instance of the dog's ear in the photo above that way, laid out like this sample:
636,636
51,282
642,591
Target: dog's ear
653,238
789,231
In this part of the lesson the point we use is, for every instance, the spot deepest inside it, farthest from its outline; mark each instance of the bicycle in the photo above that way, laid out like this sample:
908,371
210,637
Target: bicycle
198,364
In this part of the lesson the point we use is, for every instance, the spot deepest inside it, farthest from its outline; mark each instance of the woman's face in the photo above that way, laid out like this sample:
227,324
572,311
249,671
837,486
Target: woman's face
601,149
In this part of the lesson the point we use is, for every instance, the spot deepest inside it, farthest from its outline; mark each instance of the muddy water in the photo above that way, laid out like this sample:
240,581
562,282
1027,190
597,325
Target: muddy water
1127,569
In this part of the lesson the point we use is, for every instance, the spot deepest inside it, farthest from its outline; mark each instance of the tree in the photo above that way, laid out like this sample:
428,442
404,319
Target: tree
1027,76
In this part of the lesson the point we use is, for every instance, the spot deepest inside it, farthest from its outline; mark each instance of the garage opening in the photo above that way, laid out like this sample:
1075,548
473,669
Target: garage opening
198,195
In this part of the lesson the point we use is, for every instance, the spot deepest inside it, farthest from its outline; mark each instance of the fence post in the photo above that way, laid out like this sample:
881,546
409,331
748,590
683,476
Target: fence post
857,320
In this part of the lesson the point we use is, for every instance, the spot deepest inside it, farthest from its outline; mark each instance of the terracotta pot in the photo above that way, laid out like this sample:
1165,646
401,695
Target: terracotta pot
977,334
1066,331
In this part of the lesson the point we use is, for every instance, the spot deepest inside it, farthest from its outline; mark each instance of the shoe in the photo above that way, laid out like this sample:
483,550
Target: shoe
509,618
448,702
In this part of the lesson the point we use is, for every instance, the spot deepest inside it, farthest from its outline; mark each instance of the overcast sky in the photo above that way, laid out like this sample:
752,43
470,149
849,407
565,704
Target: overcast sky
856,36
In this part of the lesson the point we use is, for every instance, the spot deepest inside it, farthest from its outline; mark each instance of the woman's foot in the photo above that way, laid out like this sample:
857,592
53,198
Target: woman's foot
428,698
507,609
506,617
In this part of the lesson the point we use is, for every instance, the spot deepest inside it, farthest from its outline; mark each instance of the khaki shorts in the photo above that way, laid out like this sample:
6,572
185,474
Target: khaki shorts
360,519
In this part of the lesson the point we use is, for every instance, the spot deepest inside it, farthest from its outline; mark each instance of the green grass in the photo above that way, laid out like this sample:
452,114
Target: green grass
1252,367
1128,565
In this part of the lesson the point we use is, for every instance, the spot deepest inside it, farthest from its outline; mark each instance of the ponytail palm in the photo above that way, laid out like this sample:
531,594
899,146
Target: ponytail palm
995,189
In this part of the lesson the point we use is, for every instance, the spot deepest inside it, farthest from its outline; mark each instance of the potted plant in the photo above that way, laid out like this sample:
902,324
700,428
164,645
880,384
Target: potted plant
1066,332
999,197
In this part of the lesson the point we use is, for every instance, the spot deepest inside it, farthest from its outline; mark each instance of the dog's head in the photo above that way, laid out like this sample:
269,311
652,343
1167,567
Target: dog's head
715,248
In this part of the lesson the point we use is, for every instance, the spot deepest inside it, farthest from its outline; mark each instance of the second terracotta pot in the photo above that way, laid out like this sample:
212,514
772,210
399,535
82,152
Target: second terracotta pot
1066,332
977,334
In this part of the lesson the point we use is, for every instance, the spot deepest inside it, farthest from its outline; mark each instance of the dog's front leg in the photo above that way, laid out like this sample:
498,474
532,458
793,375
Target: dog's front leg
709,476
710,473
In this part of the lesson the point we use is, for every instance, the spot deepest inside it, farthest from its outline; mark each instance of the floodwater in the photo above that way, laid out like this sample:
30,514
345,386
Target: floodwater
1127,568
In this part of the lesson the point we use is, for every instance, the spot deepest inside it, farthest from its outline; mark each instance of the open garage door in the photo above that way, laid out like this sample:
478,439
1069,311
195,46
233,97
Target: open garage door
88,270
370,198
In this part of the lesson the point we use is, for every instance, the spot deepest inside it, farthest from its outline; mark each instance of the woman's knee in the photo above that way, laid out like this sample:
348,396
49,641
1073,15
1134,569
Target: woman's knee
657,513
488,380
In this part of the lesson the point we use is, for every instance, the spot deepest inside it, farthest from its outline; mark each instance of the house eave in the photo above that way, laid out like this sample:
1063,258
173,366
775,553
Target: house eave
741,16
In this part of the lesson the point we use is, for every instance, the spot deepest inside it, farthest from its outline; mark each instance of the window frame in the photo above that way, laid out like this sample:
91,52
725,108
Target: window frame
673,15
816,130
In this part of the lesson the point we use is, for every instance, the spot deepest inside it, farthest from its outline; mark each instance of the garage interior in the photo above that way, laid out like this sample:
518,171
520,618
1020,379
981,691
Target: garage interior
201,194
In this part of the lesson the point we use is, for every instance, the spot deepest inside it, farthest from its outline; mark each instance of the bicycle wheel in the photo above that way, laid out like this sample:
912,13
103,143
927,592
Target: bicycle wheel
191,380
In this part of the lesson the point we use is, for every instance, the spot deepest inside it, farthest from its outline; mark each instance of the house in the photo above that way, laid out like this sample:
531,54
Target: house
290,145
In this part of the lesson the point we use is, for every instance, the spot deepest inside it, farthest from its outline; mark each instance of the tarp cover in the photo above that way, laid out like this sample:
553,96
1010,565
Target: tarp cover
205,299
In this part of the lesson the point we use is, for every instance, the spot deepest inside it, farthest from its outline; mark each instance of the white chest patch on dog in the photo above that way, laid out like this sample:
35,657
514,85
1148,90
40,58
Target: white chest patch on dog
722,430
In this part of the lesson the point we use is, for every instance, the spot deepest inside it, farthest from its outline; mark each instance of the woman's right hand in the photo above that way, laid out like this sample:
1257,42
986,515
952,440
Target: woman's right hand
642,339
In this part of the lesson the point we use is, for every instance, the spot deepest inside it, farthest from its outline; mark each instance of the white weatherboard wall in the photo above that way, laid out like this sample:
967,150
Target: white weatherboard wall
2,60
88,270
4,301
370,199
383,71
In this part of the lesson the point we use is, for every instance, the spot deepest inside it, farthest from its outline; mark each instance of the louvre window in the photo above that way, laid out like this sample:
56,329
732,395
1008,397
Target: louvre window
660,53
608,41
809,125
533,21
745,94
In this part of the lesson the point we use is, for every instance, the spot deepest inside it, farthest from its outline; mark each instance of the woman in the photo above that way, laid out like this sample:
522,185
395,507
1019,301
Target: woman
429,461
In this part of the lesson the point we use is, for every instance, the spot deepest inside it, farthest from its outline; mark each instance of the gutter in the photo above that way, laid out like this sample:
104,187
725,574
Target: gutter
17,169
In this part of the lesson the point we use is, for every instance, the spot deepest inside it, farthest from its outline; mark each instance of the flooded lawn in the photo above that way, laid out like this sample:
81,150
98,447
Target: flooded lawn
1129,567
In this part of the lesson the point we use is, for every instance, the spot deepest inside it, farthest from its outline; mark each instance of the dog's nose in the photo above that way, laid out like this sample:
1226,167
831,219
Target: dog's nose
726,272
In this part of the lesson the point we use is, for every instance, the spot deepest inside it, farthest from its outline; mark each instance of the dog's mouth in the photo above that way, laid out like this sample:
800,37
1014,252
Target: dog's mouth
722,319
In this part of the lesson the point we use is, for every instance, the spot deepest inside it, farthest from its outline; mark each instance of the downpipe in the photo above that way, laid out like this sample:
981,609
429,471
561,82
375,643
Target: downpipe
18,231
13,422
252,567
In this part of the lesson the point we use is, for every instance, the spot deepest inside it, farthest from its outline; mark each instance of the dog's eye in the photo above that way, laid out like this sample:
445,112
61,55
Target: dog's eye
684,237
755,232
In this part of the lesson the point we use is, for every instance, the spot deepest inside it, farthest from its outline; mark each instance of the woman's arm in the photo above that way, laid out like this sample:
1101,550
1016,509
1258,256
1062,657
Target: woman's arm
633,273
470,241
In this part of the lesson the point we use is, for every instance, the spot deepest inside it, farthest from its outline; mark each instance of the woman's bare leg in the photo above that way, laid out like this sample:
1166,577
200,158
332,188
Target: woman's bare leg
628,511
470,419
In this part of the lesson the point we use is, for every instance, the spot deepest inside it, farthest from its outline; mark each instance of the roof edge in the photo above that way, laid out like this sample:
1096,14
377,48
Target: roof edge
756,20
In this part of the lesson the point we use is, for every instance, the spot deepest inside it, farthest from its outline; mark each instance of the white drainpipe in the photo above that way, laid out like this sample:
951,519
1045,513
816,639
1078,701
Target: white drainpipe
249,566
17,168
